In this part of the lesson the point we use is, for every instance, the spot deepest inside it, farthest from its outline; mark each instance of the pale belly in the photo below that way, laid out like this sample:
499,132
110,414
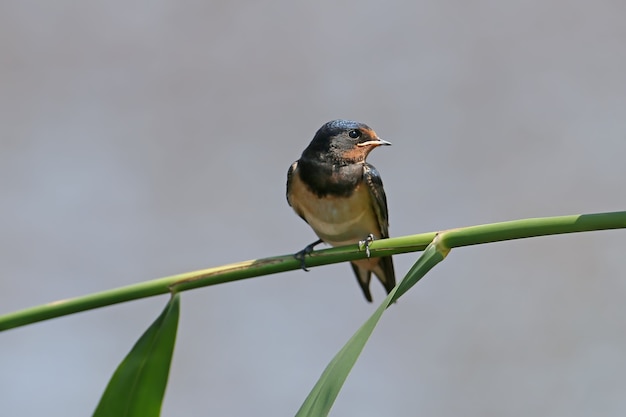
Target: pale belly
339,220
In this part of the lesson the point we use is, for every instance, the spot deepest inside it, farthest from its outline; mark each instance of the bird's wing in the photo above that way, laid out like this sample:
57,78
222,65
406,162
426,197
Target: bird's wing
292,168
379,199
290,183
384,270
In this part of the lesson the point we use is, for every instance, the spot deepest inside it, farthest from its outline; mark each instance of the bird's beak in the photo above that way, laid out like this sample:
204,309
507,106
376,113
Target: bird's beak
376,142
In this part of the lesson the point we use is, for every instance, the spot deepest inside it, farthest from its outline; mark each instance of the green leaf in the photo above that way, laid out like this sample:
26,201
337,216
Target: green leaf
325,391
138,385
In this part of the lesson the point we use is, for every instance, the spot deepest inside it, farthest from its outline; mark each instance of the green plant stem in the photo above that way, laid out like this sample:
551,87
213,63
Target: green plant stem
473,235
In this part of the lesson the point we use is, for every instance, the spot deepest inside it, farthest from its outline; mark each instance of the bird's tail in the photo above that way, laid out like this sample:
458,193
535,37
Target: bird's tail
383,269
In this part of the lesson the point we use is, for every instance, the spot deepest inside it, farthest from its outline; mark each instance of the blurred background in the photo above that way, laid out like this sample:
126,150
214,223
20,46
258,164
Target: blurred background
144,139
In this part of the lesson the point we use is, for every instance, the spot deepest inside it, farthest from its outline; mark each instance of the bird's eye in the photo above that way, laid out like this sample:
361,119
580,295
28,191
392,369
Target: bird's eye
354,134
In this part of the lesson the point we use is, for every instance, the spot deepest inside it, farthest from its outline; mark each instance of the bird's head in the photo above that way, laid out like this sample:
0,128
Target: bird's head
344,142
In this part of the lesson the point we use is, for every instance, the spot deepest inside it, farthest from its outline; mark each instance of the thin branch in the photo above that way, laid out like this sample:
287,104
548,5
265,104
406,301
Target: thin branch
473,235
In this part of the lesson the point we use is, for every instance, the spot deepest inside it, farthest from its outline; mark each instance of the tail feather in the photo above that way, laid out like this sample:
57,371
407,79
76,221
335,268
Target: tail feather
363,277
385,273
383,270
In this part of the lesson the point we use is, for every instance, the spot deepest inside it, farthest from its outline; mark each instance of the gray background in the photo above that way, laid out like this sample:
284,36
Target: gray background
144,139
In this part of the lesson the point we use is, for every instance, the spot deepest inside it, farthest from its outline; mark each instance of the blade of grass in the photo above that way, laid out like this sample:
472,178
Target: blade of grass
138,385
321,398
517,229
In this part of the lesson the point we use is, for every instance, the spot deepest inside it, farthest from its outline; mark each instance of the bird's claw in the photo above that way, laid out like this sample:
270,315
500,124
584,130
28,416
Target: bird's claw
366,243
304,252
300,256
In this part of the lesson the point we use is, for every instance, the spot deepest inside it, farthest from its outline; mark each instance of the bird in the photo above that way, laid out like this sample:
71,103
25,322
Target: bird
341,196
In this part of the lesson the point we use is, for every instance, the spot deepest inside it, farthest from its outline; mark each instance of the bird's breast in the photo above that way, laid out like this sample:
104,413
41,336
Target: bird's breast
337,220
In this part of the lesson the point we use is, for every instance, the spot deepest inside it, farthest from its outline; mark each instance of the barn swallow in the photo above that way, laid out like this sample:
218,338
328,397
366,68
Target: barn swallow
342,197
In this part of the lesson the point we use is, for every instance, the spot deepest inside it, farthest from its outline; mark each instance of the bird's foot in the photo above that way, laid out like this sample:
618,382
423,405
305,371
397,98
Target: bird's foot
307,250
366,243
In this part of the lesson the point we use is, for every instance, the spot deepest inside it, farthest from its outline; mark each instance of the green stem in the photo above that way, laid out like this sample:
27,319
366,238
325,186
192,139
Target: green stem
473,235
